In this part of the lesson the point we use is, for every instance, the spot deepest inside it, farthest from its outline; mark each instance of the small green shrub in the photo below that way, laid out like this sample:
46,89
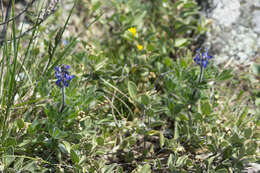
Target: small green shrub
141,100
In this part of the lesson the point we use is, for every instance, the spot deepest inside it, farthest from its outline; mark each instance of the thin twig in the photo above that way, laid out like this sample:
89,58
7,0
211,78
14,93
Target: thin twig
25,10
2,9
7,15
38,22
63,99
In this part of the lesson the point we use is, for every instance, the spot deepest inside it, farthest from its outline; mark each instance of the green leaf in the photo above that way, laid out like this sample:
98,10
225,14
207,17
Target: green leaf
248,132
170,161
152,132
8,160
227,152
180,42
150,47
162,140
74,157
256,135
226,74
242,117
181,161
10,141
18,163
210,161
88,147
67,146
20,123
139,18
206,108
62,148
176,130
145,100
190,5
101,64
100,152
168,61
132,89
31,166
146,168
24,143
257,101
158,163
211,148
174,108
108,168
56,133
251,148
8,157
96,6
222,170
236,141
100,141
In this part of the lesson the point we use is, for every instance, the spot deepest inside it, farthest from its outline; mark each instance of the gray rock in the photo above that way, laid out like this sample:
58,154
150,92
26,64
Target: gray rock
252,168
234,34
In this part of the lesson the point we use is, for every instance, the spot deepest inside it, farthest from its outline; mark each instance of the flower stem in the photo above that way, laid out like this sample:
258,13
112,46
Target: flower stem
201,73
63,99
195,91
200,79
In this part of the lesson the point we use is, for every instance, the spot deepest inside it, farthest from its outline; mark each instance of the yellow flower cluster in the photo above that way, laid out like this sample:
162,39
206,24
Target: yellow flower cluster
140,47
133,31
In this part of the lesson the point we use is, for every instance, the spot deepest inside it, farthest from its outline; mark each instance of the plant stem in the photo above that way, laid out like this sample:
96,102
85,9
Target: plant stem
144,116
195,91
63,99
201,73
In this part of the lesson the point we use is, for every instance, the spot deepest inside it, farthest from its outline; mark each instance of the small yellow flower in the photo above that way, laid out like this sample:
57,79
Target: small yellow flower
139,47
133,31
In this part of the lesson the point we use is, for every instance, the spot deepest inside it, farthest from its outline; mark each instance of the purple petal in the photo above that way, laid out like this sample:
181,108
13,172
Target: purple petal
63,75
58,69
72,76
66,84
58,82
58,75
209,57
197,59
205,63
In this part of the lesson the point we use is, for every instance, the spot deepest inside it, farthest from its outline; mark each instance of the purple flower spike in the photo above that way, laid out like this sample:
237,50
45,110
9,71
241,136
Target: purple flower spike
63,76
202,58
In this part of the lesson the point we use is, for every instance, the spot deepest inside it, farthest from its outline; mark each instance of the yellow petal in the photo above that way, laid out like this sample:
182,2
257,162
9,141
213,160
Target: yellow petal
139,47
133,31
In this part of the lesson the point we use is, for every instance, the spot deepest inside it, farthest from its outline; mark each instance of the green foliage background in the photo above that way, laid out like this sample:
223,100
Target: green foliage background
128,110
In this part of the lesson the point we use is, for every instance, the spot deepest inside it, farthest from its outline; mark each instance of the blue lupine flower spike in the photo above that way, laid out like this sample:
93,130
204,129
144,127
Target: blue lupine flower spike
63,75
63,79
202,59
